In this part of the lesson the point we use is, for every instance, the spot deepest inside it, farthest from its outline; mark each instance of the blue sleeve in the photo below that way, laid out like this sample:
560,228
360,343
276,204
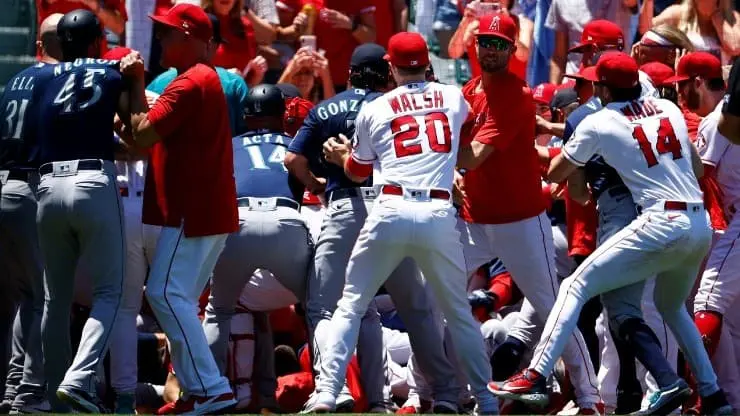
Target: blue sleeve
568,130
307,135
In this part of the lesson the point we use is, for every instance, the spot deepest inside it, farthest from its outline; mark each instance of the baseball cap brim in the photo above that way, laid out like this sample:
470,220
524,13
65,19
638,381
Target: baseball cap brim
581,47
676,78
589,74
162,20
496,35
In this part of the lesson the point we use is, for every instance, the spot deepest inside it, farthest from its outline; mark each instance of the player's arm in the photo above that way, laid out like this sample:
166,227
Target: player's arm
498,131
295,160
729,121
338,150
696,163
472,155
577,187
581,147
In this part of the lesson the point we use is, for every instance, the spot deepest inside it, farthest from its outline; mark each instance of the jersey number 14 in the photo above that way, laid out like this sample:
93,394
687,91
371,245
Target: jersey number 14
405,131
666,142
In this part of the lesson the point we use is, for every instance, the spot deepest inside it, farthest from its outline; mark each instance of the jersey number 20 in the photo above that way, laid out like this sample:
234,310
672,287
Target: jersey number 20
666,142
405,129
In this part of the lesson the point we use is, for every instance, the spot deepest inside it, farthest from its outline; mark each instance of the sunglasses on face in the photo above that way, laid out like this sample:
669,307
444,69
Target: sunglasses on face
493,43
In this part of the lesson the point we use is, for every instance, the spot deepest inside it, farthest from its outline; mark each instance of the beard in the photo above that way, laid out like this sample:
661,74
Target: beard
691,99
492,64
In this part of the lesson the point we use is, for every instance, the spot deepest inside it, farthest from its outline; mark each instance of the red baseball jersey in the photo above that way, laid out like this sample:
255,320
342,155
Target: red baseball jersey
506,187
190,179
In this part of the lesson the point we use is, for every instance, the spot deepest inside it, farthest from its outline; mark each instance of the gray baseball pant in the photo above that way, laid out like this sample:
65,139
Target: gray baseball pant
341,227
21,263
272,238
79,220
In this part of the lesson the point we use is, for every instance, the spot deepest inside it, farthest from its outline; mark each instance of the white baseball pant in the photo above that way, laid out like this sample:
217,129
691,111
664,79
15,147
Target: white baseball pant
668,244
397,228
180,271
526,249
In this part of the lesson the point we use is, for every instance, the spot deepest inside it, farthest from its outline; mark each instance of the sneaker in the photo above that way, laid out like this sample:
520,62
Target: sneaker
716,404
80,400
443,407
125,404
345,403
383,408
665,400
527,387
320,403
199,405
33,408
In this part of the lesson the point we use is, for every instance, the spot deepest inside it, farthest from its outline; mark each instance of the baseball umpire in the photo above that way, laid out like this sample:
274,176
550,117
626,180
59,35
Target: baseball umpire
346,213
79,207
269,221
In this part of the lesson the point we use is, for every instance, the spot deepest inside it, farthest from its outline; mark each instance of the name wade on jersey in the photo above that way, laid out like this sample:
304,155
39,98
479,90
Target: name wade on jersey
635,110
414,102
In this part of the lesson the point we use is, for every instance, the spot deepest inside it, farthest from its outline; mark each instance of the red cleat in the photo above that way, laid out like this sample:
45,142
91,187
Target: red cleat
527,387
198,405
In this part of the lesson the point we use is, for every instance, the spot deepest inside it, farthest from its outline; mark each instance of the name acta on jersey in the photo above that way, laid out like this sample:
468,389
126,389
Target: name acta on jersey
264,138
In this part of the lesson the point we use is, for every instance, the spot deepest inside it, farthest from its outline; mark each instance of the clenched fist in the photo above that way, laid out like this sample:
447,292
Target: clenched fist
132,65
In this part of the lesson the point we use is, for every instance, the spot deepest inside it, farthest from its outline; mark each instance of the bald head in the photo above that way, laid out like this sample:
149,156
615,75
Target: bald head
48,42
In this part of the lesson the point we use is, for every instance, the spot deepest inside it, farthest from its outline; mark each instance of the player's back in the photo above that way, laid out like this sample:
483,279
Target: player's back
258,166
647,142
414,131
75,105
17,135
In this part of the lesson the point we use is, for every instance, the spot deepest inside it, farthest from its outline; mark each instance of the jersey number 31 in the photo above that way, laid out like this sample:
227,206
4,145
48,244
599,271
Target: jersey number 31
666,142
405,131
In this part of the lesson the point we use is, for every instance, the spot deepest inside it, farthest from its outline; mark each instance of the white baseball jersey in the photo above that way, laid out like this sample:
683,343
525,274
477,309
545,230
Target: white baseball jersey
411,135
717,151
647,142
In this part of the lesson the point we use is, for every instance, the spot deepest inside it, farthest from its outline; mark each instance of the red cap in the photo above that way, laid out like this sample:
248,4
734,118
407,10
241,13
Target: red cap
602,34
500,25
697,64
407,49
189,19
585,73
117,53
543,93
615,69
658,73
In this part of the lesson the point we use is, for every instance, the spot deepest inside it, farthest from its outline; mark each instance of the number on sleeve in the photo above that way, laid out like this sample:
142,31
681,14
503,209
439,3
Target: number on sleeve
666,142
405,130
15,117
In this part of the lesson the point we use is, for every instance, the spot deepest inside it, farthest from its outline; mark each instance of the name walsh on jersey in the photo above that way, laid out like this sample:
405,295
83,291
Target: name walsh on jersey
413,102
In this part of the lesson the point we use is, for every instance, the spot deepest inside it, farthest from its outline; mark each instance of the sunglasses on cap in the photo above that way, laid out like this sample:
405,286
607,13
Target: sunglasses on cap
493,42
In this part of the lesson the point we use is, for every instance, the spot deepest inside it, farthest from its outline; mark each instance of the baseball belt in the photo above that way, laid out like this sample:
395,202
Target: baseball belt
257,202
344,193
84,164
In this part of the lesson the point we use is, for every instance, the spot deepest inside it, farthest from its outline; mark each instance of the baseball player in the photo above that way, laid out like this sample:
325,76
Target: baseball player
647,144
190,149
79,207
410,137
21,256
717,296
729,120
269,221
348,206
502,135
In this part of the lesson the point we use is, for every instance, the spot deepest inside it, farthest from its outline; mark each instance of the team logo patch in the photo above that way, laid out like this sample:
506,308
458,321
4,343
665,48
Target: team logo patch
495,24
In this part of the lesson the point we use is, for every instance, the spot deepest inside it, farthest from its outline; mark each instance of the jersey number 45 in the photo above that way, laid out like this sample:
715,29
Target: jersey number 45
666,142
406,131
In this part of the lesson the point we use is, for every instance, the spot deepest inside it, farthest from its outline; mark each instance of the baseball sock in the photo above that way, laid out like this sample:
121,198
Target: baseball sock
645,345
629,391
505,361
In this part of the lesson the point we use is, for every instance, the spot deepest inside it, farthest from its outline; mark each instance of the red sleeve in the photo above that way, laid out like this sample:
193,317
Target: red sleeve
505,289
174,106
502,125
581,223
547,196
713,198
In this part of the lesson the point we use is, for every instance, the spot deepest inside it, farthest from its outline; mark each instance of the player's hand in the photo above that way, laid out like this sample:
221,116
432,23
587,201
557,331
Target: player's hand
542,126
336,20
132,65
483,304
458,188
557,191
337,149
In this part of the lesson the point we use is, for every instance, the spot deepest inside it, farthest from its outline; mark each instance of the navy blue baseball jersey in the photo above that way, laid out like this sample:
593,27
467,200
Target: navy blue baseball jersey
599,175
75,103
328,119
259,168
18,145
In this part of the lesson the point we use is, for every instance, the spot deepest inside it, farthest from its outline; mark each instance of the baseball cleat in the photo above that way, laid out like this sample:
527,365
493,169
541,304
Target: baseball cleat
319,403
80,400
199,405
443,407
383,407
665,400
32,408
345,403
527,387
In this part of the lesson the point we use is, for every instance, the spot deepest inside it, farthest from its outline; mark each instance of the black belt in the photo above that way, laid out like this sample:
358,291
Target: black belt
125,193
344,193
21,175
279,202
81,165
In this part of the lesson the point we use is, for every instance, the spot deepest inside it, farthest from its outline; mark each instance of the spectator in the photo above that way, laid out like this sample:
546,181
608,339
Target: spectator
304,69
111,13
663,43
463,41
711,25
239,52
391,17
568,19
340,27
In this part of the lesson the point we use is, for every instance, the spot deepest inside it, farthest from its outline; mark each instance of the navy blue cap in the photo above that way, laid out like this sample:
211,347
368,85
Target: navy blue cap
368,54
564,97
